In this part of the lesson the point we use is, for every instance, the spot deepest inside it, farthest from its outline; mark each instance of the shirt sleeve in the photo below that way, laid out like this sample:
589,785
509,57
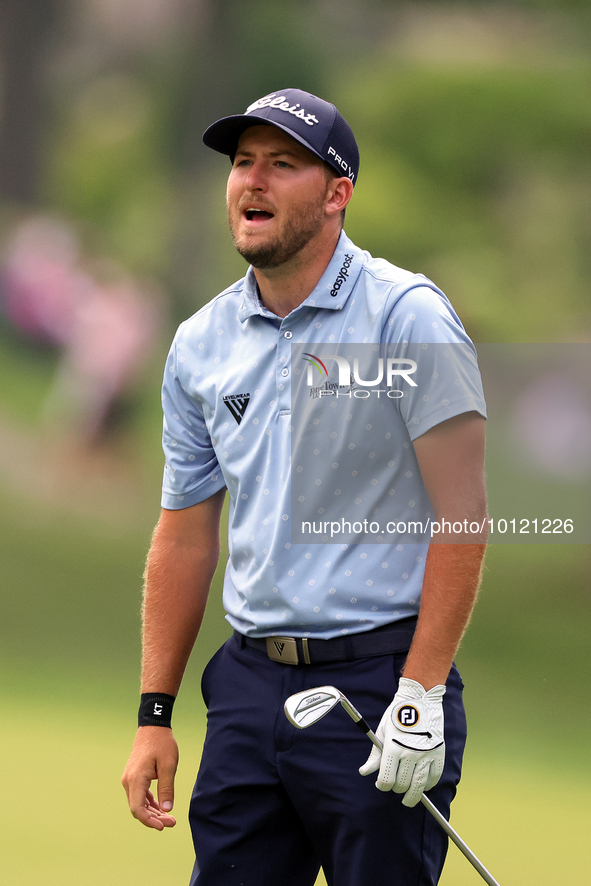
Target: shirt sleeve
191,471
424,330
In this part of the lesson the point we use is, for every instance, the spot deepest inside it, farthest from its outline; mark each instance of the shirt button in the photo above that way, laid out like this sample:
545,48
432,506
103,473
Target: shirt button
288,334
284,372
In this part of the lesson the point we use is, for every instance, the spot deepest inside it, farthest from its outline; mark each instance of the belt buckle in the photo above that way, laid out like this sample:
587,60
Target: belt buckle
282,649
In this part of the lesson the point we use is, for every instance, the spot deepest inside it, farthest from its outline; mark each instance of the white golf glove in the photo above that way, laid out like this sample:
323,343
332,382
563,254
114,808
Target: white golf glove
411,730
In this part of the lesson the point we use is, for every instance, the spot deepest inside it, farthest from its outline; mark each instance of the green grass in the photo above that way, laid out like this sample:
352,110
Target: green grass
65,821
526,824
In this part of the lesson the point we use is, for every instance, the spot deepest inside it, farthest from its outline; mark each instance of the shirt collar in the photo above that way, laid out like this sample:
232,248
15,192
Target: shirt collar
332,290
251,303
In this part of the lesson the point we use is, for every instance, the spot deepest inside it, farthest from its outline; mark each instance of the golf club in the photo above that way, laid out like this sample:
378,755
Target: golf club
305,708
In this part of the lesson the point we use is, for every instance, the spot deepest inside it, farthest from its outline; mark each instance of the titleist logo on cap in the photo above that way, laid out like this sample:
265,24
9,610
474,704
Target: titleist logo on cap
280,104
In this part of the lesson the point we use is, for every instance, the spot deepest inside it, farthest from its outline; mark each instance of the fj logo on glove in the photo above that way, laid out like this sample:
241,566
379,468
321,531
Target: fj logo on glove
408,715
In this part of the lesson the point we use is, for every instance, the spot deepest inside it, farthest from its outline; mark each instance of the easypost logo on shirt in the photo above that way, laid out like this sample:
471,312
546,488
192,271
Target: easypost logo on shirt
344,272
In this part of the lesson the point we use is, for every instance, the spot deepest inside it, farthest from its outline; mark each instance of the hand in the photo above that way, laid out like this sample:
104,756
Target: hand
411,730
154,756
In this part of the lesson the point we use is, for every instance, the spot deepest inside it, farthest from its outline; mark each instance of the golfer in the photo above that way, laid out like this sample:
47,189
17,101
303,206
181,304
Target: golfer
378,617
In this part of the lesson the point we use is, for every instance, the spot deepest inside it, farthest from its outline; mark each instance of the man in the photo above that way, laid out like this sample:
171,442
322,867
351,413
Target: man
271,804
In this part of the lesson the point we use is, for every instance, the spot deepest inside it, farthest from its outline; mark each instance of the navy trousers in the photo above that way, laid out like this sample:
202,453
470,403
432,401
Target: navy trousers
273,803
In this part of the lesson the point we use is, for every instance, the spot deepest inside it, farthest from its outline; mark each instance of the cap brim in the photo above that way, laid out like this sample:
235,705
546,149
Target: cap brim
223,135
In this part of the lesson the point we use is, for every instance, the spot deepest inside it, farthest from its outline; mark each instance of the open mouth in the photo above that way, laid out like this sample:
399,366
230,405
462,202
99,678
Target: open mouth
257,215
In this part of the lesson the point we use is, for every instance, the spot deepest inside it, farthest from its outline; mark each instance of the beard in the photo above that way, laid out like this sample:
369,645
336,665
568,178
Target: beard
301,225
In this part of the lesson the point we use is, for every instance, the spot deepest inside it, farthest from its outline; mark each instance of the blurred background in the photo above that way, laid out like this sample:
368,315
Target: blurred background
474,124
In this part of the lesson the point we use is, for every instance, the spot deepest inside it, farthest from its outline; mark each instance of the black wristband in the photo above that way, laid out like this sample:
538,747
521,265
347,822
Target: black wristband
155,709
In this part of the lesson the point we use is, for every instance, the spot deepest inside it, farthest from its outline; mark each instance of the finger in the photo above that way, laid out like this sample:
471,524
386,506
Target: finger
167,821
152,801
152,818
372,764
404,775
166,773
417,785
412,797
388,770
435,773
142,804
150,815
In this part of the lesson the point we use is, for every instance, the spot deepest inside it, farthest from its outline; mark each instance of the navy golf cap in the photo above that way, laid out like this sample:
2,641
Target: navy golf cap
310,120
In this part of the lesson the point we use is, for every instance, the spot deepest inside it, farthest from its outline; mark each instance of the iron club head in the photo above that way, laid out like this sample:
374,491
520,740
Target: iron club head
305,708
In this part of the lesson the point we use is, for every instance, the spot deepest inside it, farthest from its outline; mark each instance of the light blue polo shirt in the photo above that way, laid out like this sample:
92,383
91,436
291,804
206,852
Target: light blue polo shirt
227,400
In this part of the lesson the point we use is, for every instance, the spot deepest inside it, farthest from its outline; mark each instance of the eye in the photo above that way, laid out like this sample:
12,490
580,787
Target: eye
283,164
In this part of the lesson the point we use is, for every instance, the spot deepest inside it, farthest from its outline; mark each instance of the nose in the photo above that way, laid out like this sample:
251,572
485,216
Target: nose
256,179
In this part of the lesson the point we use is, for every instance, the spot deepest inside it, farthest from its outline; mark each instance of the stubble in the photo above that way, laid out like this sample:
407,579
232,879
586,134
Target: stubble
301,225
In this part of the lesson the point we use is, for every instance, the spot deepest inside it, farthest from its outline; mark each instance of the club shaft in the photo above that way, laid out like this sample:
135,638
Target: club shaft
452,834
484,873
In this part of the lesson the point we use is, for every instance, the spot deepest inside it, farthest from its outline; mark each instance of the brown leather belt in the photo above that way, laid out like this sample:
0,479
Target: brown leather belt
395,637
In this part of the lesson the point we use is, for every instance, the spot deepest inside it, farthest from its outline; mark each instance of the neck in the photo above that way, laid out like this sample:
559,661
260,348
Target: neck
282,289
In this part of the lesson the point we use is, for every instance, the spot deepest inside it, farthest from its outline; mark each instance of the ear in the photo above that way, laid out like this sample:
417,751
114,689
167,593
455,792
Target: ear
340,191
